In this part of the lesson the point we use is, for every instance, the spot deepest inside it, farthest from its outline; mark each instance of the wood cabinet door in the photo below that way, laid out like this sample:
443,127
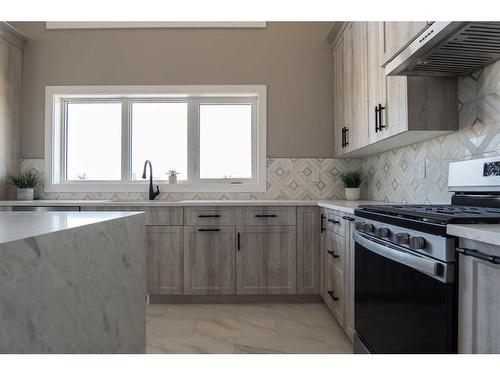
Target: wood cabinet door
266,259
349,282
209,260
358,131
478,301
348,82
376,79
308,250
164,260
398,35
338,95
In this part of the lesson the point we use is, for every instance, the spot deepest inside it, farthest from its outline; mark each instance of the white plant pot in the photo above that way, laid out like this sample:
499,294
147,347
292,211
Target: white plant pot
25,194
172,179
352,194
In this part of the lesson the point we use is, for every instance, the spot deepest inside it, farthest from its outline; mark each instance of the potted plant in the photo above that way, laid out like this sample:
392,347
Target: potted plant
352,181
26,182
172,176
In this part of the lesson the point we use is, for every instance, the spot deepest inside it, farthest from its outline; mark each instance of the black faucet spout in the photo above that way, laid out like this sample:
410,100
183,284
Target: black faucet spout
152,192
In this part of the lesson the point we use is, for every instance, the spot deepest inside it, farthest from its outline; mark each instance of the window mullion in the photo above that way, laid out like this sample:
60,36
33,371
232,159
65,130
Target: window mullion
126,156
193,141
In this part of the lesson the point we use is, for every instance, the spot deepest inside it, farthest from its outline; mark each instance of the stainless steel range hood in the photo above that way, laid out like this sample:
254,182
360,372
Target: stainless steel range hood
449,49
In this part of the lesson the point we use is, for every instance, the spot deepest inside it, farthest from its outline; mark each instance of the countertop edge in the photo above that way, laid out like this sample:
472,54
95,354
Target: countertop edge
486,233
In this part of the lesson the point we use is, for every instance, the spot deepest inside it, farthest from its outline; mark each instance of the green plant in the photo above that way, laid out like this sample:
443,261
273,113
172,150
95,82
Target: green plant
352,179
172,173
26,180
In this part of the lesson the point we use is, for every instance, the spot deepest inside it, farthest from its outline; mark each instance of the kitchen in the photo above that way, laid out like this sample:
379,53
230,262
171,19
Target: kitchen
259,187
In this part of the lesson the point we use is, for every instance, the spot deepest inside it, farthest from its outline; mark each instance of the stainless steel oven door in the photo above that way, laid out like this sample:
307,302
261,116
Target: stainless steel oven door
404,302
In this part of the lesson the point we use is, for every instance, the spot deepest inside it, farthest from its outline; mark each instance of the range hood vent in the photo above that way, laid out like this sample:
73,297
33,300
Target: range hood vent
449,49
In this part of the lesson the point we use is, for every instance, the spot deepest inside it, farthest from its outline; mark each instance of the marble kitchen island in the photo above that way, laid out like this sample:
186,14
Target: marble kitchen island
72,282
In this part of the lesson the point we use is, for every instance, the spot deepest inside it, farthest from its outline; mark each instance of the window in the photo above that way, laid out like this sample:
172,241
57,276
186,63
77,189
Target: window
98,138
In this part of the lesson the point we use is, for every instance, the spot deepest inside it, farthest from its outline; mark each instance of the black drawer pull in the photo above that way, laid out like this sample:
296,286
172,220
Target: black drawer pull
348,218
333,221
238,237
205,216
322,224
265,215
333,254
477,254
330,292
209,230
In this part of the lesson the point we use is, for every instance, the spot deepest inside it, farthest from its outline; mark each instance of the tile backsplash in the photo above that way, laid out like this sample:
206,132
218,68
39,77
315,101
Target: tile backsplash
301,179
419,173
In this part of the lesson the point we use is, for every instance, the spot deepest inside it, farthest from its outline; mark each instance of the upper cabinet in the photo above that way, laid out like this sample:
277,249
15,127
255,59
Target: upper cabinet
375,112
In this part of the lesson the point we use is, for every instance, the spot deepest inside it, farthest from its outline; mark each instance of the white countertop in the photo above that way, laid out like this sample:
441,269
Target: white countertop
347,206
340,205
487,233
19,225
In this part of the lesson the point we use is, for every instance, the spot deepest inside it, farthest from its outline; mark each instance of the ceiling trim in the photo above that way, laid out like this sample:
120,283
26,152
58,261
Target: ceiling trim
153,25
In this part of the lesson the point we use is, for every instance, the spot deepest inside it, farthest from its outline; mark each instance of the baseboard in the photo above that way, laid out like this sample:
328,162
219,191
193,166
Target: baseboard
280,298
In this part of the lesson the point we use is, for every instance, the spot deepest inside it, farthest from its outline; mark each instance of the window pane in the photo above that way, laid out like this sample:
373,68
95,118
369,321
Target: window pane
159,134
225,141
93,141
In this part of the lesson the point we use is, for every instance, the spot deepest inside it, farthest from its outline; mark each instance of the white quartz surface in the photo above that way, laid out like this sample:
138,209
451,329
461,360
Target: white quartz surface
346,206
20,225
487,233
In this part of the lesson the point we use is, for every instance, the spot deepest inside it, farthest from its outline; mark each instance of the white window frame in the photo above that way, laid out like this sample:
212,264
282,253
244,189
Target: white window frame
56,98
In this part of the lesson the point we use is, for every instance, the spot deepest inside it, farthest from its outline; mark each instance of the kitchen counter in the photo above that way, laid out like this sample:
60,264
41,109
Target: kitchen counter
346,206
339,205
487,233
21,225
72,282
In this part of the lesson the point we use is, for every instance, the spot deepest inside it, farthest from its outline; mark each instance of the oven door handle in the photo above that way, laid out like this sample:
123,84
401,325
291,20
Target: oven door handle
416,262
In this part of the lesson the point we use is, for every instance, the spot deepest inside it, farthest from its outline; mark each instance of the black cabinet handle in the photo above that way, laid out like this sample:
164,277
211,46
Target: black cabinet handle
346,142
209,230
343,137
333,221
205,216
376,119
238,241
322,223
477,254
265,215
348,218
335,256
330,292
380,126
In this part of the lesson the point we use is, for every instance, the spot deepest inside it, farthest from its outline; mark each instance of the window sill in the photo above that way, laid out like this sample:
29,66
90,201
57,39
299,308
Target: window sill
142,187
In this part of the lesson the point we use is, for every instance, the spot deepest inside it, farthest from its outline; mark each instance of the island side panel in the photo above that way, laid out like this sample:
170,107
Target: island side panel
80,290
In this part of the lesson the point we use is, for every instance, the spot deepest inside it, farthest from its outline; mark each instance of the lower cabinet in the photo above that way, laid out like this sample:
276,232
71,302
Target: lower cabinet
266,259
209,260
164,260
337,270
308,244
478,300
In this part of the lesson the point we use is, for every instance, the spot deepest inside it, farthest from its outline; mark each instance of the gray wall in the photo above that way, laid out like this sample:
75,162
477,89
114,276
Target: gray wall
292,59
10,112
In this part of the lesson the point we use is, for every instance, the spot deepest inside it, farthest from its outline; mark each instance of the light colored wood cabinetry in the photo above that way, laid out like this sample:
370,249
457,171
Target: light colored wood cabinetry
308,243
337,271
164,260
265,216
478,301
409,109
339,96
209,260
397,35
266,259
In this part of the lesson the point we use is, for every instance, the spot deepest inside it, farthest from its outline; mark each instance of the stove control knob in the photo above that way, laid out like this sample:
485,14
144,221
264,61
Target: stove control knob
401,238
382,232
368,227
417,243
358,225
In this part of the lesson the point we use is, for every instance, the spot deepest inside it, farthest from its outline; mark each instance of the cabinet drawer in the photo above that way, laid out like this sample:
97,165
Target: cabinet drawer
334,249
209,216
265,215
154,215
335,223
334,291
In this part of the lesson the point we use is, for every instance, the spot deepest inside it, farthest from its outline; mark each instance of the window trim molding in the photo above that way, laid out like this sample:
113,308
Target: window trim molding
53,133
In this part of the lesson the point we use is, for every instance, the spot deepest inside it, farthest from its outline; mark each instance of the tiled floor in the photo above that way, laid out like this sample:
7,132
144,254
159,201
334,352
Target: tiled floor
244,328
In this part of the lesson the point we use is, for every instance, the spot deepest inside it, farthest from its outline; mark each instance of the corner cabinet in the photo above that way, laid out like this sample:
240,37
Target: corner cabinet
385,112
